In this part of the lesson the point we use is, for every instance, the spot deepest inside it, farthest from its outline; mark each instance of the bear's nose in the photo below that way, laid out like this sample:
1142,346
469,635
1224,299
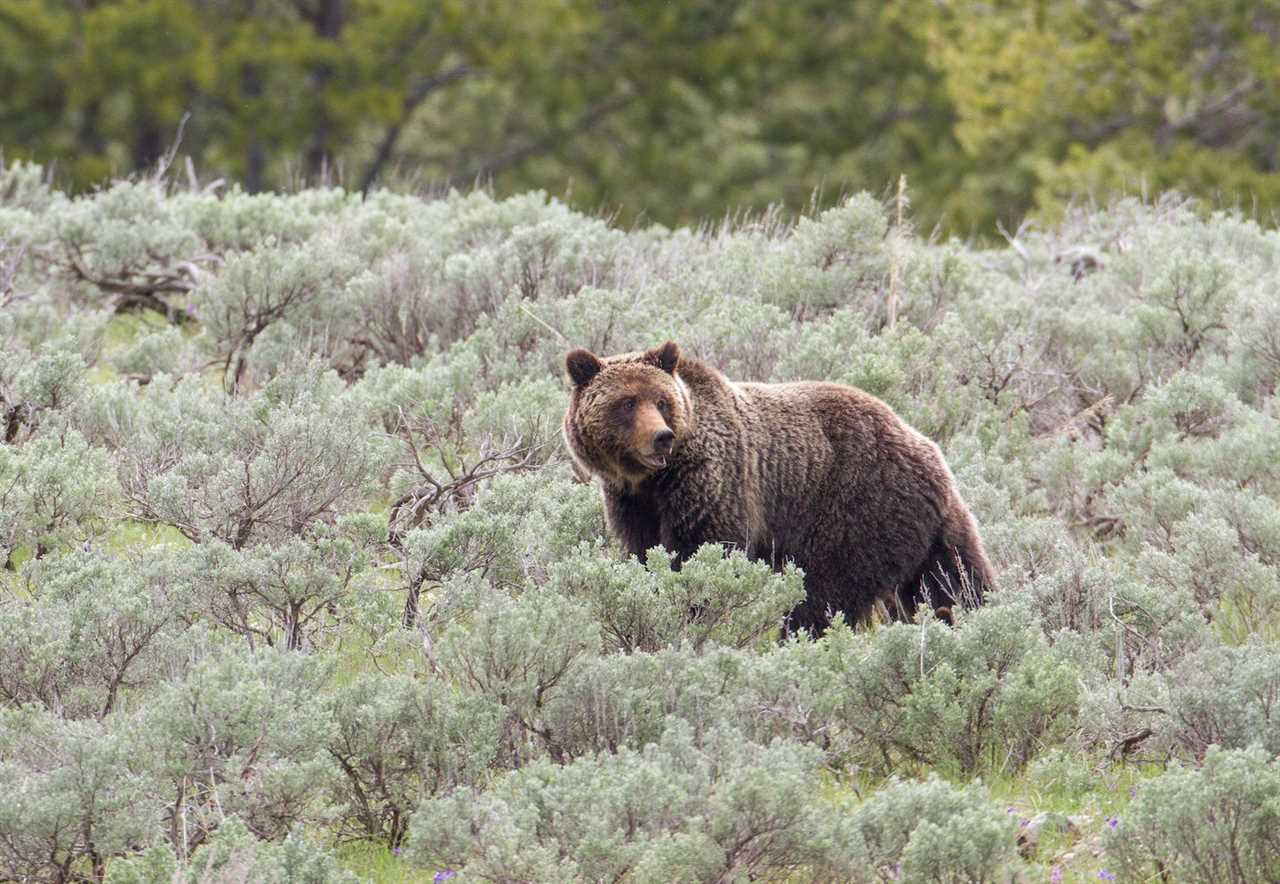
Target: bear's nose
662,440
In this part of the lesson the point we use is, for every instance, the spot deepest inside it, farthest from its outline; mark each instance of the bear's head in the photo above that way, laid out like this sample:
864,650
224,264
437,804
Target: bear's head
627,414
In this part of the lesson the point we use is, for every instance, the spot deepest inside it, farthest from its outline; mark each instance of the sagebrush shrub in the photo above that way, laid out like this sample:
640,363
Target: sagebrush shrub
711,599
95,628
987,693
1220,822
234,856
75,795
686,808
238,734
1224,696
932,831
288,537
399,740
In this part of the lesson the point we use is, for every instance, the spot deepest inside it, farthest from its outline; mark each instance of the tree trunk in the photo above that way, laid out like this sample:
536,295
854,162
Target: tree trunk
327,23
411,607
293,627
148,147
255,159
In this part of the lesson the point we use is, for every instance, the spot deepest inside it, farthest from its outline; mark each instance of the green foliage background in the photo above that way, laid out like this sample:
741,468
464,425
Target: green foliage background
298,585
673,112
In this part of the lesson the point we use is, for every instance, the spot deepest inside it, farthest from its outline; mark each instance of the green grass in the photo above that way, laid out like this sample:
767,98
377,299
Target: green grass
1088,790
131,534
18,556
378,864
124,328
118,335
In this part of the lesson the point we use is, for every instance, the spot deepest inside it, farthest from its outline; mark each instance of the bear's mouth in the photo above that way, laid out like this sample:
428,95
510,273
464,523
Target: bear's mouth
654,461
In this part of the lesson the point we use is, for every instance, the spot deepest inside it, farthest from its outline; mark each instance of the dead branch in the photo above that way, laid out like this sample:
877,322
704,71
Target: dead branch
452,491
1129,742
457,492
12,259
142,289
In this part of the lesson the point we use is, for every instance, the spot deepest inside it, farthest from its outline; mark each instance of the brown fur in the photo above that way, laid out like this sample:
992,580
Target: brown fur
820,474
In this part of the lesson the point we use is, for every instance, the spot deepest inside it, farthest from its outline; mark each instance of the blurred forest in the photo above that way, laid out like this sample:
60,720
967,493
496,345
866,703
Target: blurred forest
662,111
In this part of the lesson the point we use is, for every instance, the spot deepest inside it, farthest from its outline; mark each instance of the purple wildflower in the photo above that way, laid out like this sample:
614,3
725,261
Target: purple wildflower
443,875
1055,875
1104,875
1113,822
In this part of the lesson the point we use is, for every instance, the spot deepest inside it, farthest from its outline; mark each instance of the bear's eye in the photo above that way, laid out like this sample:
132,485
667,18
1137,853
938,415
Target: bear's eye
628,404
664,406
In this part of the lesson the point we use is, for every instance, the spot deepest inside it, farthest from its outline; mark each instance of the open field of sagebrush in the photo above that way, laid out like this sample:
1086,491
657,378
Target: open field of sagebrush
298,585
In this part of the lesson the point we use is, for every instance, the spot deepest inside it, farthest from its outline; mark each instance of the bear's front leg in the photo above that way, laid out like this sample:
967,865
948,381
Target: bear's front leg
686,528
634,520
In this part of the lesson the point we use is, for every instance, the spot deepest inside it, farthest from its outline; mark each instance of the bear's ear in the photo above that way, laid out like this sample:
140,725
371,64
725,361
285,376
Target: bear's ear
666,357
583,365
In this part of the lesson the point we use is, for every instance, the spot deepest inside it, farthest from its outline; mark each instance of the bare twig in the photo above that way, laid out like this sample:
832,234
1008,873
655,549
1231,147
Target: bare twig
895,257
1082,415
547,326
166,161
1012,239
9,271
439,494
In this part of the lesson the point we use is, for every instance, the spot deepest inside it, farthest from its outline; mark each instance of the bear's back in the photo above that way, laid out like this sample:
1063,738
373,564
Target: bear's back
820,420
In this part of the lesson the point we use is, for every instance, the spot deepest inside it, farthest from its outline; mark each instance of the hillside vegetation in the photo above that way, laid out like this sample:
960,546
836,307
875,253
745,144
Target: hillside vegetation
298,585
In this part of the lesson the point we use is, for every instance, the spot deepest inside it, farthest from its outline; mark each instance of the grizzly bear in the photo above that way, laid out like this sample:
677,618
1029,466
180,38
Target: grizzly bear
819,474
